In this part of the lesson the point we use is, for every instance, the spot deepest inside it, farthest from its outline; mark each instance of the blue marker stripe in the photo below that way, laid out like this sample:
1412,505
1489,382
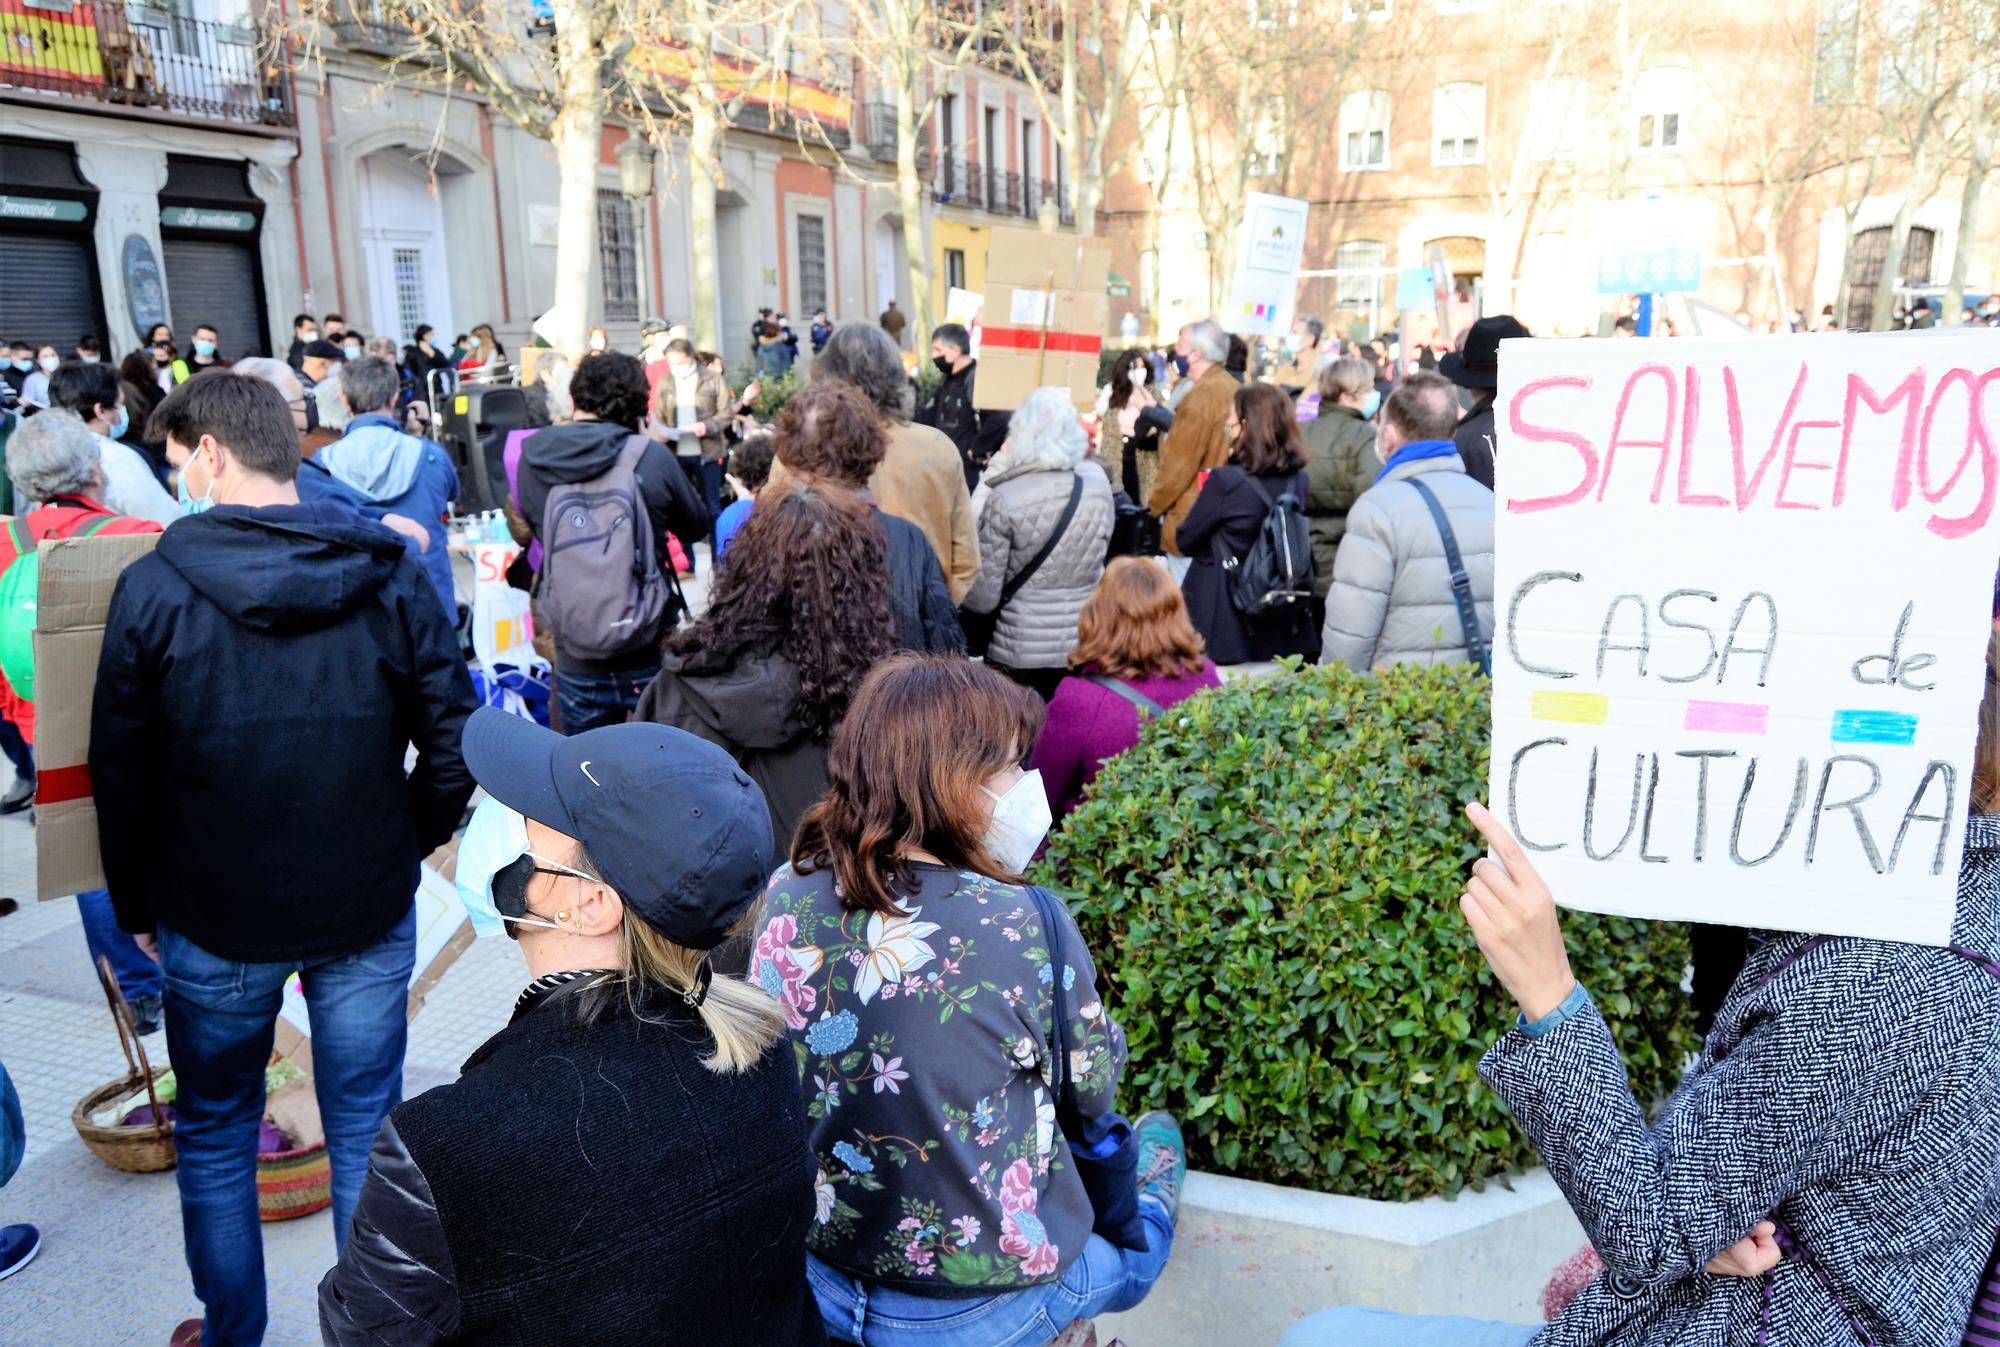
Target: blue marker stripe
1873,727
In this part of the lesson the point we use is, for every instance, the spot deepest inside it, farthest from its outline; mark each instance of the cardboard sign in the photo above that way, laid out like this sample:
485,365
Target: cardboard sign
1742,598
1047,314
1270,247
73,594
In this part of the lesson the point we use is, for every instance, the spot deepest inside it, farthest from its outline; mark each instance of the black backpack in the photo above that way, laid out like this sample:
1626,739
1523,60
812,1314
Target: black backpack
1273,583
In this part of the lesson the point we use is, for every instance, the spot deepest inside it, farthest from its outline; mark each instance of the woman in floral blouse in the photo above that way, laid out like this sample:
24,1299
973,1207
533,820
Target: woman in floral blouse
917,985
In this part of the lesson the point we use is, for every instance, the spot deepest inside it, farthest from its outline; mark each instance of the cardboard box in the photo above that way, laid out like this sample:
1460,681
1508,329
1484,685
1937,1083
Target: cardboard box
1044,319
73,594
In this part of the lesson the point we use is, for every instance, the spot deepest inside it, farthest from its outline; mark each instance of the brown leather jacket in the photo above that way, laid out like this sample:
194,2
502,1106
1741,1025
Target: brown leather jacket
1198,440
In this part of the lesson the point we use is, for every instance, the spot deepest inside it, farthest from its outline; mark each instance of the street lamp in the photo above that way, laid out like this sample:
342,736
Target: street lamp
635,184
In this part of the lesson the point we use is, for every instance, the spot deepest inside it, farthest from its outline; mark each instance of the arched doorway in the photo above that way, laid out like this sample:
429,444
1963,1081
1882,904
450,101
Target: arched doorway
402,247
1865,257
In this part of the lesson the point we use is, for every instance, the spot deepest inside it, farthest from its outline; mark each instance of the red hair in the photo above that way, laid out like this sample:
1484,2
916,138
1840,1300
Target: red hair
1136,625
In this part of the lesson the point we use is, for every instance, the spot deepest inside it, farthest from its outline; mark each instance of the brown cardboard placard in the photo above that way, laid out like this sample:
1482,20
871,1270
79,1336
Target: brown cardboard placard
1044,319
73,594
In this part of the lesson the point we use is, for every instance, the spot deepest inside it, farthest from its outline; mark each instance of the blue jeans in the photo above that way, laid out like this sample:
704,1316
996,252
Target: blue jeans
591,701
221,1017
137,975
15,749
1353,1326
1104,1280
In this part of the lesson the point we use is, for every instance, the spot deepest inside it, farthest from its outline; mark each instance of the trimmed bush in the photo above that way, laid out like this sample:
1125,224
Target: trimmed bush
1270,881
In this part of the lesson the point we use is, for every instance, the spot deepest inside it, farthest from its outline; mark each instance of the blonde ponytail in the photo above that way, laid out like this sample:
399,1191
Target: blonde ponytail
743,1020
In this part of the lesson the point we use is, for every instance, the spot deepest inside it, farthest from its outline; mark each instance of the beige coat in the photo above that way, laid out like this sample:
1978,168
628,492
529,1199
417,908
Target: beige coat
1199,440
923,480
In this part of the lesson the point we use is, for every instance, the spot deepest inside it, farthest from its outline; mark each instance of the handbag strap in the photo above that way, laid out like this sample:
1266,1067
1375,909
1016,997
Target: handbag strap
1144,705
1058,999
1021,577
1461,583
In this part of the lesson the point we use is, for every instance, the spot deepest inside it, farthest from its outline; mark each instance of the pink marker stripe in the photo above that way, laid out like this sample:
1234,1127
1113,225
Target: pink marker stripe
1728,717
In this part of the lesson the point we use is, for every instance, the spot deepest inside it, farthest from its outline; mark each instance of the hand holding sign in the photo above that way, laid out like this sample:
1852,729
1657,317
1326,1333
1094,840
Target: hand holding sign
1513,917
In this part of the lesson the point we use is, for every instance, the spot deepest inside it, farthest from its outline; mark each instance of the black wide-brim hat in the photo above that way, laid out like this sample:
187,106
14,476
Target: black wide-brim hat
1476,364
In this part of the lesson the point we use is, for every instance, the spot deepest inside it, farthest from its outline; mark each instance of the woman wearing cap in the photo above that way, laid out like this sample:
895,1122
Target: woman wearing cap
626,1161
918,984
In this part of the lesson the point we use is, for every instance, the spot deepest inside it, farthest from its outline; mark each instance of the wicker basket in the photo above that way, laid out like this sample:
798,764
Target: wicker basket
294,1183
144,1148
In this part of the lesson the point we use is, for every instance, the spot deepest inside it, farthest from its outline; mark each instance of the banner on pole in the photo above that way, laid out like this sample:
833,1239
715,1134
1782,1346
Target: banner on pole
1270,248
1743,593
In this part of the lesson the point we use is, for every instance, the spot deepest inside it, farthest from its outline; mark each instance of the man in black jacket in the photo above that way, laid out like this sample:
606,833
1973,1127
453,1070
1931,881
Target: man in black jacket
1476,366
978,434
264,672
611,402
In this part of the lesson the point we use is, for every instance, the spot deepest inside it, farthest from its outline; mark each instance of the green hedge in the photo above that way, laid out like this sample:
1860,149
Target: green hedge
1270,883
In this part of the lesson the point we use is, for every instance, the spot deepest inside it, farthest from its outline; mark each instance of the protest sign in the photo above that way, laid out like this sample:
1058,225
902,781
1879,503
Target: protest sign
1270,248
1742,596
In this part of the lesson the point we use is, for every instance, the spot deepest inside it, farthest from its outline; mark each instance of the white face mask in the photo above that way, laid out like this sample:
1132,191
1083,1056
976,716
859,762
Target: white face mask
1021,819
49,363
1136,376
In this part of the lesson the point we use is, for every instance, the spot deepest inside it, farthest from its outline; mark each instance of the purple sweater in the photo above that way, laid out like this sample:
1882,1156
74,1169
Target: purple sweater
1088,723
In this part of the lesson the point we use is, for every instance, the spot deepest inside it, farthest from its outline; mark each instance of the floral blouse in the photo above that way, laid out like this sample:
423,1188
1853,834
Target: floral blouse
923,1046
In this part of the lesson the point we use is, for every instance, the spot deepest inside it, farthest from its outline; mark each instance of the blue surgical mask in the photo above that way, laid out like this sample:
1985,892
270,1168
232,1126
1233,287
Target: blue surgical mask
495,839
203,347
88,359
121,424
353,352
24,363
190,505
1370,403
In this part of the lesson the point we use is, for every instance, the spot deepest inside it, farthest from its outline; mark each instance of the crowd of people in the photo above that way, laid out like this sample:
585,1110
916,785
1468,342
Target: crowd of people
766,862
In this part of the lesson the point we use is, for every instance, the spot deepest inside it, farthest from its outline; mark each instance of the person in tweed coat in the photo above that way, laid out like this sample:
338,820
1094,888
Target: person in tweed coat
1849,1092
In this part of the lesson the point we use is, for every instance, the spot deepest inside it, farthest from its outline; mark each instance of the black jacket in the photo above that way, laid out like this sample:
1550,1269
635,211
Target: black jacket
1227,514
926,618
263,672
978,434
586,1184
1474,438
582,450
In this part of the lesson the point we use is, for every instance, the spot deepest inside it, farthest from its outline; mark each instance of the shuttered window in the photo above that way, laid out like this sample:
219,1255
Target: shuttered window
48,294
214,281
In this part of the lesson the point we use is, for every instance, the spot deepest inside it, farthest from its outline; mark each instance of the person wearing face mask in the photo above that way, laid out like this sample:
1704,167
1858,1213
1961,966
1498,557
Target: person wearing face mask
204,357
1341,461
691,405
1476,366
1304,348
625,1160
904,896
130,486
1130,420
165,357
305,331
977,433
265,672
35,388
14,375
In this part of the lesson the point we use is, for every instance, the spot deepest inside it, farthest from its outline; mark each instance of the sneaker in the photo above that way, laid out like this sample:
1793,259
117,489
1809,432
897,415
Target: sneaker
18,1246
19,795
146,1015
1162,1160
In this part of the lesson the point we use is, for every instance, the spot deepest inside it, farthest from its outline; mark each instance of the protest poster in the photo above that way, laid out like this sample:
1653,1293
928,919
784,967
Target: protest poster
1270,248
1743,592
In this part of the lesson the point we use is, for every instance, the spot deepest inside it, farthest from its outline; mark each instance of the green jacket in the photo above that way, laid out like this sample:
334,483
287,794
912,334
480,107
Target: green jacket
1342,465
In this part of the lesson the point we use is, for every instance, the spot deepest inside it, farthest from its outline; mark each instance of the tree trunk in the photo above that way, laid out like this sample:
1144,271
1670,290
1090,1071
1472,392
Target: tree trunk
1968,211
910,201
704,151
575,137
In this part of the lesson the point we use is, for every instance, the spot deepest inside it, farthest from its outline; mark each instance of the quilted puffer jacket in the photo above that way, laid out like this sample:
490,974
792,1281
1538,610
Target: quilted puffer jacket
1391,601
1017,509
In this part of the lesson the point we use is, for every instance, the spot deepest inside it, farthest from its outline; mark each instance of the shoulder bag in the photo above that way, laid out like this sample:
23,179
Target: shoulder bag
1461,583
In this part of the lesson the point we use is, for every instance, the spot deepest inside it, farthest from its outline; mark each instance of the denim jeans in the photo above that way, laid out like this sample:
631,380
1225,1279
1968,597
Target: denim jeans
1104,1280
221,1017
15,749
590,701
137,975
1353,1326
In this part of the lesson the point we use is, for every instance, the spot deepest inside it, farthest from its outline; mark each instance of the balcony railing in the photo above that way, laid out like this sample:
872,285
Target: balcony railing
959,183
140,57
878,135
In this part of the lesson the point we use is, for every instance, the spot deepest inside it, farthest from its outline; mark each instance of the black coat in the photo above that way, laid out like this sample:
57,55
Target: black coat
1228,513
581,450
978,434
1474,438
263,672
926,619
586,1184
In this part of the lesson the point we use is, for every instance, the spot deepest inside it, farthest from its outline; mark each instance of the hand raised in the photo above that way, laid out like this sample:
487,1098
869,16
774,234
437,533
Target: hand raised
1513,918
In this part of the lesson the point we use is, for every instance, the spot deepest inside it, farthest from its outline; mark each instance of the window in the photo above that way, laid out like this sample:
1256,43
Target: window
948,122
1833,52
1555,118
1364,130
408,266
617,256
1365,256
1458,123
812,263
1904,70
1661,104
954,268
1865,260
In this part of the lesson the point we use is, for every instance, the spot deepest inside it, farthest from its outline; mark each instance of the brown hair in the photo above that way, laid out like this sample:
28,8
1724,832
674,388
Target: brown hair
1986,756
830,429
1423,406
1136,625
1269,441
907,771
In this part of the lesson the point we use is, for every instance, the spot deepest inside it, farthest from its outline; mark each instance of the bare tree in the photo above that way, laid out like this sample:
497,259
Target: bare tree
1978,28
1917,91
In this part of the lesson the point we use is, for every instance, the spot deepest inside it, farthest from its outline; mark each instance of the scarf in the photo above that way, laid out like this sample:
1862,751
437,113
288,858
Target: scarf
1415,451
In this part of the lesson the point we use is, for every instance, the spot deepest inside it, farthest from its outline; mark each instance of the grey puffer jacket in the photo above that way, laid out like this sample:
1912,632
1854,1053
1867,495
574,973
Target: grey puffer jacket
1850,1090
1391,601
1017,509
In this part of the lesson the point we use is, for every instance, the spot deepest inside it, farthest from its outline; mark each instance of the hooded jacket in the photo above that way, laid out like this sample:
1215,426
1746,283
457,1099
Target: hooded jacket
747,704
581,450
263,673
379,469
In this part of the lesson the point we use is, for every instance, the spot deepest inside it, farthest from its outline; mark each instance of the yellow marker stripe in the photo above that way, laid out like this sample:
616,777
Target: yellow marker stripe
1578,708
